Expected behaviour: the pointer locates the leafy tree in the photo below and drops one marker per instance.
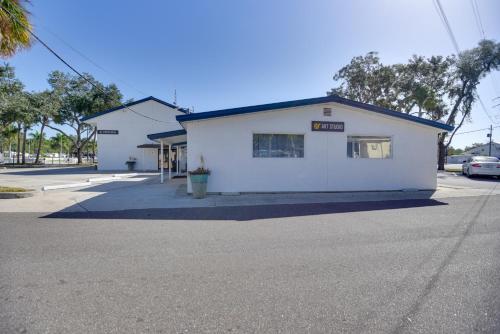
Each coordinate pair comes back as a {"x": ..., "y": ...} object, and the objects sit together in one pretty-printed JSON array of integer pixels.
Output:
[
  {"x": 454, "y": 151},
  {"x": 439, "y": 88},
  {"x": 14, "y": 25},
  {"x": 78, "y": 98},
  {"x": 367, "y": 80},
  {"x": 60, "y": 143},
  {"x": 10, "y": 89},
  {"x": 44, "y": 108},
  {"x": 8, "y": 136},
  {"x": 39, "y": 138}
]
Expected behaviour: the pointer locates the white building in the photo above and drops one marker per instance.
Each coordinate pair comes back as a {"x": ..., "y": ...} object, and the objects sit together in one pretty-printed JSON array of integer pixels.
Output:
[
  {"x": 485, "y": 149},
  {"x": 122, "y": 133},
  {"x": 320, "y": 144}
]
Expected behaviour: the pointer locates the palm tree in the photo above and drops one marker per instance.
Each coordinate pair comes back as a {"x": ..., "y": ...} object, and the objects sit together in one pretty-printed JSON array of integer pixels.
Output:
[{"x": 14, "y": 27}]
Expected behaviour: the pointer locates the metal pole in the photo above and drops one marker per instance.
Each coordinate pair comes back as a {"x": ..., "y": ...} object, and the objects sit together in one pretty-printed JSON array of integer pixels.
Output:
[
  {"x": 161, "y": 161},
  {"x": 177, "y": 150},
  {"x": 169, "y": 162},
  {"x": 490, "y": 135}
]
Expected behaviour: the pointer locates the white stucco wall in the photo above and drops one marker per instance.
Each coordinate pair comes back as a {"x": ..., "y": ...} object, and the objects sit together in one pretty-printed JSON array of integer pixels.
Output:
[
  {"x": 226, "y": 145},
  {"x": 114, "y": 150}
]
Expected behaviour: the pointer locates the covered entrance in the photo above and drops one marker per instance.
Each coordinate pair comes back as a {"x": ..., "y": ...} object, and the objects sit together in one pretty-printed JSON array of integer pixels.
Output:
[
  {"x": 178, "y": 161},
  {"x": 172, "y": 153}
]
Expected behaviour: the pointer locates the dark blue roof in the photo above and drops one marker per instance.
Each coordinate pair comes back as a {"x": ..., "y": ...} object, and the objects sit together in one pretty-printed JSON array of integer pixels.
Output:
[
  {"x": 305, "y": 102},
  {"x": 122, "y": 106},
  {"x": 167, "y": 134}
]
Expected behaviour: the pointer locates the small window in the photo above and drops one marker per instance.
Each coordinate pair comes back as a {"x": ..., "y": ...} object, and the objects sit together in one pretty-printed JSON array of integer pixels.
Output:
[
  {"x": 327, "y": 112},
  {"x": 278, "y": 146},
  {"x": 369, "y": 147}
]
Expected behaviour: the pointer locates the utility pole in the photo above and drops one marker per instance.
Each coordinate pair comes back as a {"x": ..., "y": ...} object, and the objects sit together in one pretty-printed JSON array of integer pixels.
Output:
[{"x": 490, "y": 135}]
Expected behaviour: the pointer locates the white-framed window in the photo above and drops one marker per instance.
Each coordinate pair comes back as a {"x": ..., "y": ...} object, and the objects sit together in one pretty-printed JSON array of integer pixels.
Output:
[
  {"x": 369, "y": 147},
  {"x": 267, "y": 145}
]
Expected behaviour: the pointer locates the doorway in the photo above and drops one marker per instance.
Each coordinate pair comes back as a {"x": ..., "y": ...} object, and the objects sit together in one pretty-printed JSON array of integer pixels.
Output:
[{"x": 166, "y": 161}]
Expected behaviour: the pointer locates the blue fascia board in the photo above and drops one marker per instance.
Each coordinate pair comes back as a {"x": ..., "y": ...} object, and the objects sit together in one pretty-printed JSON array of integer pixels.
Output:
[
  {"x": 167, "y": 134},
  {"x": 123, "y": 106},
  {"x": 306, "y": 102}
]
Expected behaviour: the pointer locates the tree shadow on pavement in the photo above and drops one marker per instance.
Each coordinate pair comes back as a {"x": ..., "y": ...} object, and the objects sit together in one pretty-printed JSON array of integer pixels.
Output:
[{"x": 246, "y": 213}]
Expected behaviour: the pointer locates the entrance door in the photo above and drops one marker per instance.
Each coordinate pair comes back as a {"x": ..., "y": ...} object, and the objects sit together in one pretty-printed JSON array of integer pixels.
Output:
[{"x": 166, "y": 160}]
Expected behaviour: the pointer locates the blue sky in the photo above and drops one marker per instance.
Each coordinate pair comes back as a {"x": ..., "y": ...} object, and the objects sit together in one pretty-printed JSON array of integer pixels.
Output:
[{"x": 222, "y": 53}]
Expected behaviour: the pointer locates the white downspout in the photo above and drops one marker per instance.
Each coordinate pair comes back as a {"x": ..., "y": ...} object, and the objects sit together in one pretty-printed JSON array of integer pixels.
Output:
[{"x": 161, "y": 161}]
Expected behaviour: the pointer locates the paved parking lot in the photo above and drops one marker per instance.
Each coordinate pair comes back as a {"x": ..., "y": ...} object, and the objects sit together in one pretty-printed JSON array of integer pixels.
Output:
[
  {"x": 417, "y": 266},
  {"x": 305, "y": 263}
]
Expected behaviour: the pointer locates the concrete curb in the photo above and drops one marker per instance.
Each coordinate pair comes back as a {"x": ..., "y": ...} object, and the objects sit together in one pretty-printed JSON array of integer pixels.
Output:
[
  {"x": 64, "y": 186},
  {"x": 103, "y": 179},
  {"x": 126, "y": 175},
  {"x": 11, "y": 195}
]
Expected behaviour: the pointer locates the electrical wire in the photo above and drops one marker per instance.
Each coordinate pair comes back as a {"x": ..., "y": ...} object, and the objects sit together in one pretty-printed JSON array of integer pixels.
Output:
[
  {"x": 86, "y": 79},
  {"x": 81, "y": 54},
  {"x": 462, "y": 133},
  {"x": 444, "y": 19},
  {"x": 480, "y": 28}
]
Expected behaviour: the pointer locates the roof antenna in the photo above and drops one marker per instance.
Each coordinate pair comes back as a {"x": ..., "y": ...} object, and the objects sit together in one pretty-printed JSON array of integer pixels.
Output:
[{"x": 175, "y": 97}]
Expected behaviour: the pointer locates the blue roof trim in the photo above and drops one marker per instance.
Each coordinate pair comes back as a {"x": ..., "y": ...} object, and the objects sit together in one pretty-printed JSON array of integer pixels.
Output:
[
  {"x": 167, "y": 134},
  {"x": 122, "y": 106},
  {"x": 306, "y": 102}
]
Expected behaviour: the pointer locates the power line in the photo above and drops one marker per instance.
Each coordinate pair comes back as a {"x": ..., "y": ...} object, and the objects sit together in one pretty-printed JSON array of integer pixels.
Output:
[
  {"x": 86, "y": 79},
  {"x": 465, "y": 132},
  {"x": 477, "y": 17},
  {"x": 81, "y": 54},
  {"x": 447, "y": 26},
  {"x": 480, "y": 27}
]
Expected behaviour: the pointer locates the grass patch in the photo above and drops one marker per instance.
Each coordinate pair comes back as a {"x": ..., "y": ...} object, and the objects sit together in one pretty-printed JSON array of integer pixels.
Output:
[{"x": 12, "y": 189}]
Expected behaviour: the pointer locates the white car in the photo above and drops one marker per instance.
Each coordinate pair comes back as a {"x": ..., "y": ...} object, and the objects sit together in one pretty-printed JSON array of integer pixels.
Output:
[{"x": 480, "y": 165}]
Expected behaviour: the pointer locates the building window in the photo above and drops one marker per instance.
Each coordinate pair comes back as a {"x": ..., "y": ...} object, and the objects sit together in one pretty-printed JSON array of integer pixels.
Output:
[
  {"x": 278, "y": 146},
  {"x": 369, "y": 147},
  {"x": 327, "y": 112}
]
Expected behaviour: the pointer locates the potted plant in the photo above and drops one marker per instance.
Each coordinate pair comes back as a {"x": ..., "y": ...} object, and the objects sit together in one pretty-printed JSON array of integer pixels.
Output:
[
  {"x": 131, "y": 163},
  {"x": 199, "y": 178}
]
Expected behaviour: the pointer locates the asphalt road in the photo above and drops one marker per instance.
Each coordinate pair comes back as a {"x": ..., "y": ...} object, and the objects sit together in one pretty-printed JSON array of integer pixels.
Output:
[
  {"x": 418, "y": 266},
  {"x": 458, "y": 180}
]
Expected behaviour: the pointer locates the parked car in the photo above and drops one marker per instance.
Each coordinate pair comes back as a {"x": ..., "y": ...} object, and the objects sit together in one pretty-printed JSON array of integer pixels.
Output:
[{"x": 480, "y": 165}]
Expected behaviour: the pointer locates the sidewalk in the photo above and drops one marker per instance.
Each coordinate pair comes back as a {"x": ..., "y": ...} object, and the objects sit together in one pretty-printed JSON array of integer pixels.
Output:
[{"x": 148, "y": 193}]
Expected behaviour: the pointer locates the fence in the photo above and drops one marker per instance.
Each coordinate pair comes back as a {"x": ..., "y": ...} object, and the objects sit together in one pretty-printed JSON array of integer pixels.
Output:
[{"x": 51, "y": 160}]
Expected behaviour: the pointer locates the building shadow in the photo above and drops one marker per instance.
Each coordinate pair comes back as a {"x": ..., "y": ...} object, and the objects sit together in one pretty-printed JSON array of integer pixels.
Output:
[{"x": 247, "y": 213}]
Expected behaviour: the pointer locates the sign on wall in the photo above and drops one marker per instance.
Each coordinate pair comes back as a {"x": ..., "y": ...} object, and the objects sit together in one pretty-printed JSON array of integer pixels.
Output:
[
  {"x": 327, "y": 126},
  {"x": 107, "y": 132}
]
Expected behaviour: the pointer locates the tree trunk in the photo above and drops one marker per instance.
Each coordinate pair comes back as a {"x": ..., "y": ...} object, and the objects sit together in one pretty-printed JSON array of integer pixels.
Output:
[
  {"x": 441, "y": 153},
  {"x": 18, "y": 143},
  {"x": 40, "y": 142},
  {"x": 79, "y": 145},
  {"x": 25, "y": 131},
  {"x": 79, "y": 155}
]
